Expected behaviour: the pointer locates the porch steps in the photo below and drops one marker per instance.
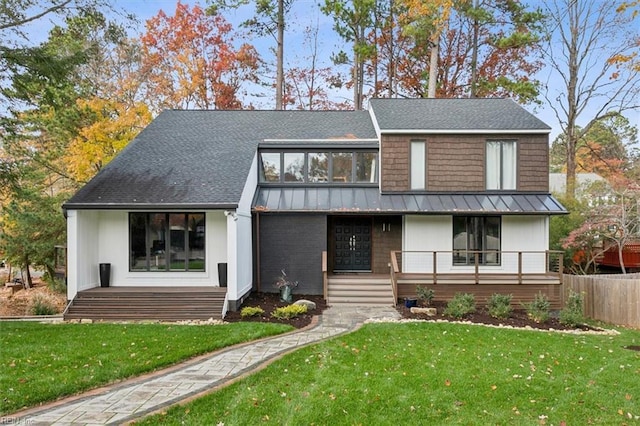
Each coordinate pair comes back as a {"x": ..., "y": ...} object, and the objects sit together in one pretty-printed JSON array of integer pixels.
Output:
[
  {"x": 360, "y": 290},
  {"x": 157, "y": 303}
]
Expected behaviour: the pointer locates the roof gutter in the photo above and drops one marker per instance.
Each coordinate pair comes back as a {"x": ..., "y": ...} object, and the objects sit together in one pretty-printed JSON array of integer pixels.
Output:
[{"x": 148, "y": 206}]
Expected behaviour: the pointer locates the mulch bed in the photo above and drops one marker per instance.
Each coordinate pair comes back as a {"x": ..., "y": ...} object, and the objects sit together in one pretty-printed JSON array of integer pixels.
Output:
[
  {"x": 271, "y": 301},
  {"x": 518, "y": 318}
]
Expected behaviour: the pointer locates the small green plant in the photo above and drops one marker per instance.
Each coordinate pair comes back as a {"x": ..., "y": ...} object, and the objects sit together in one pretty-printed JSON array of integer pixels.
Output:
[
  {"x": 251, "y": 311},
  {"x": 461, "y": 305},
  {"x": 499, "y": 305},
  {"x": 288, "y": 312},
  {"x": 42, "y": 304},
  {"x": 425, "y": 295},
  {"x": 538, "y": 310},
  {"x": 572, "y": 314}
]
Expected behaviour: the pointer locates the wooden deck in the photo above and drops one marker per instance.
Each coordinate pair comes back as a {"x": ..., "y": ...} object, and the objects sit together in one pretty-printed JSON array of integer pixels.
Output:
[
  {"x": 148, "y": 303},
  {"x": 522, "y": 286}
]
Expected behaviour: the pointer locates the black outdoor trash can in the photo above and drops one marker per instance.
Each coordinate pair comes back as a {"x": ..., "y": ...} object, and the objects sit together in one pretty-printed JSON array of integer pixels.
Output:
[
  {"x": 222, "y": 274},
  {"x": 105, "y": 274}
]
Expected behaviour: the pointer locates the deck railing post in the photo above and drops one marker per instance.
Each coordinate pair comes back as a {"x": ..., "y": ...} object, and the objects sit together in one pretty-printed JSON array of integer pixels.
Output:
[
  {"x": 519, "y": 267},
  {"x": 435, "y": 260},
  {"x": 394, "y": 279},
  {"x": 477, "y": 263},
  {"x": 560, "y": 265},
  {"x": 325, "y": 278}
]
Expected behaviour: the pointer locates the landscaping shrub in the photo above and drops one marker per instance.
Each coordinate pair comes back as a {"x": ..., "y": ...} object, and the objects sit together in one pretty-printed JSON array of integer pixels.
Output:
[
  {"x": 288, "y": 312},
  {"x": 499, "y": 305},
  {"x": 425, "y": 295},
  {"x": 43, "y": 304},
  {"x": 251, "y": 311},
  {"x": 538, "y": 310},
  {"x": 572, "y": 313},
  {"x": 461, "y": 305}
]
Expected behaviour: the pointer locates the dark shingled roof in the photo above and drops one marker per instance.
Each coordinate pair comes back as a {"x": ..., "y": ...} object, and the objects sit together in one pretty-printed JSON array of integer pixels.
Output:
[
  {"x": 201, "y": 159},
  {"x": 454, "y": 115},
  {"x": 371, "y": 201}
]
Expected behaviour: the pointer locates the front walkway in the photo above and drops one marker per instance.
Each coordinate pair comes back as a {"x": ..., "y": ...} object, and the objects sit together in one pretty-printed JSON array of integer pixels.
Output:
[{"x": 138, "y": 397}]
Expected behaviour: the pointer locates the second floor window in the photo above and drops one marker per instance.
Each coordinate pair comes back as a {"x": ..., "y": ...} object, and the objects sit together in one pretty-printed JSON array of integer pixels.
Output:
[
  {"x": 317, "y": 167},
  {"x": 500, "y": 165},
  {"x": 418, "y": 165}
]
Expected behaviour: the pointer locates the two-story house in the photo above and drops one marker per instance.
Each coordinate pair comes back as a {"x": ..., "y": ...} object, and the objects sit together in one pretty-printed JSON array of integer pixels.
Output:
[{"x": 357, "y": 205}]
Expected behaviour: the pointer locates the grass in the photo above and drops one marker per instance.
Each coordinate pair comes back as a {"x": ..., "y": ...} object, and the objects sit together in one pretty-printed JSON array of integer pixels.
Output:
[
  {"x": 42, "y": 362},
  {"x": 435, "y": 373}
]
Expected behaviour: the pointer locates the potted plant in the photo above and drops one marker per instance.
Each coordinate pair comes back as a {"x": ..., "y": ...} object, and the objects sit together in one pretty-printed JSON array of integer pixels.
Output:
[{"x": 285, "y": 285}]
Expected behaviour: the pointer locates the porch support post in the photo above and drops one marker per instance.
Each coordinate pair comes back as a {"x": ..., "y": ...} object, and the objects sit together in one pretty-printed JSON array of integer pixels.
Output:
[{"x": 519, "y": 267}]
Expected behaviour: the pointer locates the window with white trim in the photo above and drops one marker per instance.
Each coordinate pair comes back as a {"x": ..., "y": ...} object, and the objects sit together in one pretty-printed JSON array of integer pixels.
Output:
[
  {"x": 418, "y": 167},
  {"x": 500, "y": 165}
]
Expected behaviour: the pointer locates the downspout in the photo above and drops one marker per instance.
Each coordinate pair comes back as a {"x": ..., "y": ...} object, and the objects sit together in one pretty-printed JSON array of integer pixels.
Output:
[{"x": 258, "y": 283}]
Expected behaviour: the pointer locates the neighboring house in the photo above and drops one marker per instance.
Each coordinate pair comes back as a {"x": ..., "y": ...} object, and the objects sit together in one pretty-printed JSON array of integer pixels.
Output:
[
  {"x": 558, "y": 182},
  {"x": 457, "y": 184}
]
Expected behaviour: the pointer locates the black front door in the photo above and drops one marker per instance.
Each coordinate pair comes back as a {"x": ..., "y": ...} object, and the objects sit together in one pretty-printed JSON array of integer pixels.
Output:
[{"x": 352, "y": 244}]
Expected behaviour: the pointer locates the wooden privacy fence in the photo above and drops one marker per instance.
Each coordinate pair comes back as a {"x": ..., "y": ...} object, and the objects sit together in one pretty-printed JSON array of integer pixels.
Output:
[{"x": 611, "y": 298}]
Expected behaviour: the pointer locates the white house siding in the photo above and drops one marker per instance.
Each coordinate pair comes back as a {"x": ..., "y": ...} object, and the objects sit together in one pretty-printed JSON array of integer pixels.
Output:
[
  {"x": 525, "y": 233},
  {"x": 96, "y": 237},
  {"x": 82, "y": 251},
  {"x": 425, "y": 234},
  {"x": 241, "y": 241}
]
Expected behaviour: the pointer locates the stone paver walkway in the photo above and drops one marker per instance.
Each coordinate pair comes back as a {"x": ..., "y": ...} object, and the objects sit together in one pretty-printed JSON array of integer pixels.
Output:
[{"x": 138, "y": 397}]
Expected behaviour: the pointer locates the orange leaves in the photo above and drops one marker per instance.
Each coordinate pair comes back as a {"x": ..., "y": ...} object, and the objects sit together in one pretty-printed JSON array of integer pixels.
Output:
[{"x": 190, "y": 61}]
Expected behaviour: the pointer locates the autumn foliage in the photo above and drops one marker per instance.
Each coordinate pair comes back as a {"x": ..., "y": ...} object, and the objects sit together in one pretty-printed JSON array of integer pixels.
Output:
[{"x": 189, "y": 61}]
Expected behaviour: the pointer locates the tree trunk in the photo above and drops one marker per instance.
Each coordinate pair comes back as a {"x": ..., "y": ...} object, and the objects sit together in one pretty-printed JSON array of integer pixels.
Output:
[
  {"x": 433, "y": 68},
  {"x": 280, "y": 57},
  {"x": 572, "y": 113},
  {"x": 621, "y": 258},
  {"x": 28, "y": 283},
  {"x": 473, "y": 90}
]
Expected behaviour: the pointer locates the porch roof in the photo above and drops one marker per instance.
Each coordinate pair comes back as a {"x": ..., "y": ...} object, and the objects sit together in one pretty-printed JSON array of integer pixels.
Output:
[{"x": 369, "y": 200}]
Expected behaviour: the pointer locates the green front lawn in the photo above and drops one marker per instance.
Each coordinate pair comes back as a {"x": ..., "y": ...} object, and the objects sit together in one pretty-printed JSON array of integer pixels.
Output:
[
  {"x": 42, "y": 362},
  {"x": 435, "y": 373}
]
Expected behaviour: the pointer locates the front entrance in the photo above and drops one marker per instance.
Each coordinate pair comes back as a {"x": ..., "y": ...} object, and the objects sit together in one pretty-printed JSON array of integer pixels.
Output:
[{"x": 351, "y": 244}]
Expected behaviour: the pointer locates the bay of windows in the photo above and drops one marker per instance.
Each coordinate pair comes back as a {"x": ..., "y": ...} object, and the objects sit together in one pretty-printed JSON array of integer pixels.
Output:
[
  {"x": 476, "y": 235},
  {"x": 319, "y": 167},
  {"x": 167, "y": 242}
]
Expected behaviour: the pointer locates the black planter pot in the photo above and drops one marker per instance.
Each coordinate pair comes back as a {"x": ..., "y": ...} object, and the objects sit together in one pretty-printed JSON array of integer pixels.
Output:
[
  {"x": 105, "y": 274},
  {"x": 222, "y": 274}
]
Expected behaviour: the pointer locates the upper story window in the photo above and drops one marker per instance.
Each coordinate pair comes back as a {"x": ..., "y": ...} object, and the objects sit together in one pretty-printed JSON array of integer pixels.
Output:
[
  {"x": 418, "y": 166},
  {"x": 500, "y": 165},
  {"x": 319, "y": 167}
]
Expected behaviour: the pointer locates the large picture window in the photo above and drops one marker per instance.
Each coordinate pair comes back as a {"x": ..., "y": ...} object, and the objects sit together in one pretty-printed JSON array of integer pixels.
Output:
[
  {"x": 500, "y": 165},
  {"x": 479, "y": 234},
  {"x": 167, "y": 242},
  {"x": 332, "y": 166}
]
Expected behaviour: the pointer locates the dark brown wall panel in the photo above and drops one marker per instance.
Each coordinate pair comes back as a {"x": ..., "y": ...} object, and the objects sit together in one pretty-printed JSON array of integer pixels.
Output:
[{"x": 457, "y": 162}]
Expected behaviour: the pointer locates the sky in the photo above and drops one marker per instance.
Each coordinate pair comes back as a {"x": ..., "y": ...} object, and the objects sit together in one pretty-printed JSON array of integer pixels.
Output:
[{"x": 304, "y": 13}]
